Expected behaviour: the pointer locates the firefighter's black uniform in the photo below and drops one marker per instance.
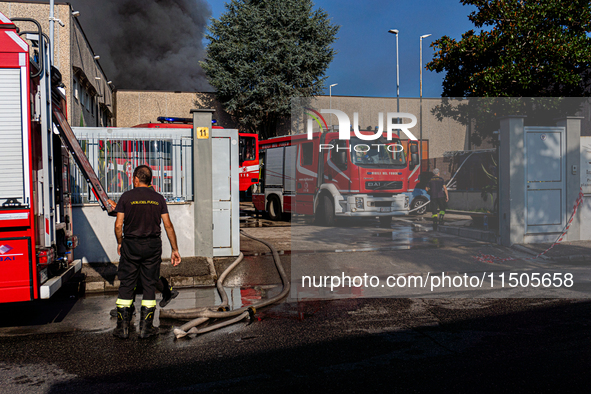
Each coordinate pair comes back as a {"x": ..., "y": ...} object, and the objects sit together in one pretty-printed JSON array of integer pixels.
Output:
[
  {"x": 141, "y": 249},
  {"x": 438, "y": 197}
]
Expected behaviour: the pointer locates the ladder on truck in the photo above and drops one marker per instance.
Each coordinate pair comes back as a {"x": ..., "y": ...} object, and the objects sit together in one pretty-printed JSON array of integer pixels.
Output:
[
  {"x": 71, "y": 143},
  {"x": 52, "y": 116}
]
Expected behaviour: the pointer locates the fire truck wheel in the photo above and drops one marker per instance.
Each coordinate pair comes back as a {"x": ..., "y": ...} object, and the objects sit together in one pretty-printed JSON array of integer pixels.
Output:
[
  {"x": 327, "y": 214},
  {"x": 274, "y": 208},
  {"x": 417, "y": 202},
  {"x": 385, "y": 221}
]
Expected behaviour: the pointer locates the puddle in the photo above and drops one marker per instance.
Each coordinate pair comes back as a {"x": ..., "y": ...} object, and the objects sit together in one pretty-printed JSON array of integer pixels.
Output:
[
  {"x": 410, "y": 238},
  {"x": 237, "y": 296}
]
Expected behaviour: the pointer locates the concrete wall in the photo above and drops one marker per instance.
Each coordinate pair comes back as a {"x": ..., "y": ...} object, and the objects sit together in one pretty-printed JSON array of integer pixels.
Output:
[
  {"x": 96, "y": 233},
  {"x": 511, "y": 181},
  {"x": 40, "y": 12},
  {"x": 444, "y": 136},
  {"x": 135, "y": 107},
  {"x": 469, "y": 201}
]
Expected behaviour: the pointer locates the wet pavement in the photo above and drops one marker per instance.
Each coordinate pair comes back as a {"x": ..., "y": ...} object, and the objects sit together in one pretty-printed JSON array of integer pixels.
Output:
[
  {"x": 353, "y": 248},
  {"x": 575, "y": 251},
  {"x": 350, "y": 340},
  {"x": 355, "y": 345}
]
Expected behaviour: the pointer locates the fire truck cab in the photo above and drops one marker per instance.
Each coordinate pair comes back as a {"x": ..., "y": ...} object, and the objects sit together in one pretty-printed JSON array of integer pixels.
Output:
[{"x": 328, "y": 178}]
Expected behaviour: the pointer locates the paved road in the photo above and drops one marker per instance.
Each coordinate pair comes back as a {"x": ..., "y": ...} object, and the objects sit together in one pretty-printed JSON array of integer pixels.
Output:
[
  {"x": 353, "y": 342},
  {"x": 356, "y": 345},
  {"x": 445, "y": 264}
]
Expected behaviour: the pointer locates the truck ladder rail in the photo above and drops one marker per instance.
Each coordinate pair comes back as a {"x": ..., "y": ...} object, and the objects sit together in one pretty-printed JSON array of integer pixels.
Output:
[{"x": 70, "y": 141}]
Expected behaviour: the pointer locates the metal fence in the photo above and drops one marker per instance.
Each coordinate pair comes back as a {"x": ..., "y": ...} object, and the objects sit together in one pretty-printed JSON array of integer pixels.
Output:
[{"x": 115, "y": 152}]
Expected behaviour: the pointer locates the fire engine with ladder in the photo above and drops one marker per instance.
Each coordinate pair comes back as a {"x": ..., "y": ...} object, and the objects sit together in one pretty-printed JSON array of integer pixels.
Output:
[{"x": 36, "y": 229}]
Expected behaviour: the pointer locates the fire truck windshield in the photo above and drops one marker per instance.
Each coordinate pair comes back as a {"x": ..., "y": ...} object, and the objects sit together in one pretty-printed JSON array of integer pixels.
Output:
[
  {"x": 247, "y": 149},
  {"x": 380, "y": 152}
]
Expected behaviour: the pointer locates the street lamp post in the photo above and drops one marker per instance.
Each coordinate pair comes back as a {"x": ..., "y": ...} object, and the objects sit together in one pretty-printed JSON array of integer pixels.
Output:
[
  {"x": 330, "y": 101},
  {"x": 395, "y": 32},
  {"x": 51, "y": 29},
  {"x": 421, "y": 105}
]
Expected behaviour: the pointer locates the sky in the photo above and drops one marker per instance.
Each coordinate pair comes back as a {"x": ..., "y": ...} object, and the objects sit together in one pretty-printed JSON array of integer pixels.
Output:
[{"x": 365, "y": 63}]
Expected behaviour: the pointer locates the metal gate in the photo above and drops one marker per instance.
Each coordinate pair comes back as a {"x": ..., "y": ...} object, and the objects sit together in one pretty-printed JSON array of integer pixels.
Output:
[{"x": 545, "y": 175}]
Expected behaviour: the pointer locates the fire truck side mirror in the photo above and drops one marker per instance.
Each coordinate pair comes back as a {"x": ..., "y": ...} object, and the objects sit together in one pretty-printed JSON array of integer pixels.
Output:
[
  {"x": 414, "y": 159},
  {"x": 414, "y": 148}
]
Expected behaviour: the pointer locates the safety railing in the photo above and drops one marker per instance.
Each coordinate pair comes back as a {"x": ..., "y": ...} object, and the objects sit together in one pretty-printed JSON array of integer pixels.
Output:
[{"x": 115, "y": 152}]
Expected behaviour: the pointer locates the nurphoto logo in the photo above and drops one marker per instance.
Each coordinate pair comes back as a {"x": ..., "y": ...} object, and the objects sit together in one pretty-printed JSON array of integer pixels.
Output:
[{"x": 344, "y": 124}]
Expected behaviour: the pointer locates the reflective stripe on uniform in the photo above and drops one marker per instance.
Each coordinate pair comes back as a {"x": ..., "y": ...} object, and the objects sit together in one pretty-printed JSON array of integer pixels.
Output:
[
  {"x": 149, "y": 303},
  {"x": 125, "y": 303}
]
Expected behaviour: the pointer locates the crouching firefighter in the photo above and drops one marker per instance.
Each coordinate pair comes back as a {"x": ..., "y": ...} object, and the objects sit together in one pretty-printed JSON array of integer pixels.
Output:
[
  {"x": 137, "y": 228},
  {"x": 439, "y": 198}
]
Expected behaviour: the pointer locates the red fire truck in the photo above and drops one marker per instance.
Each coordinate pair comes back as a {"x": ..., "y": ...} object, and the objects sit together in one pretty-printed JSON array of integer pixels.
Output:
[
  {"x": 329, "y": 178},
  {"x": 248, "y": 149},
  {"x": 36, "y": 233}
]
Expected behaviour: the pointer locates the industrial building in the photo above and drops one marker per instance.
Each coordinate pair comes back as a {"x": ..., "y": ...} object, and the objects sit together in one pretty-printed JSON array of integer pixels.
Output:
[{"x": 88, "y": 90}]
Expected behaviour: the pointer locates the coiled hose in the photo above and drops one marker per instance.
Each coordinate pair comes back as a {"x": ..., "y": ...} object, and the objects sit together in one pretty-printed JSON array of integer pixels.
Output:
[{"x": 201, "y": 315}]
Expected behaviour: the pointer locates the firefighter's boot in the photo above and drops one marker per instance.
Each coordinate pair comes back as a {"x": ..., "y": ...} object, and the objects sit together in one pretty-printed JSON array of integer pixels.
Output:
[
  {"x": 113, "y": 312},
  {"x": 147, "y": 328},
  {"x": 441, "y": 216},
  {"x": 168, "y": 293},
  {"x": 434, "y": 217},
  {"x": 123, "y": 322}
]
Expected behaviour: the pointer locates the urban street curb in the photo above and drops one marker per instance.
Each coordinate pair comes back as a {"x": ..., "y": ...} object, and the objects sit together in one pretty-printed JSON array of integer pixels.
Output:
[
  {"x": 559, "y": 259},
  {"x": 102, "y": 277}
]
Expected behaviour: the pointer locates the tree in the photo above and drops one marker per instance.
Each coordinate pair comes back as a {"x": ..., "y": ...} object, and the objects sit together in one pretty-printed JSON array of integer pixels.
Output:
[
  {"x": 483, "y": 113},
  {"x": 537, "y": 48},
  {"x": 264, "y": 52},
  {"x": 531, "y": 49}
]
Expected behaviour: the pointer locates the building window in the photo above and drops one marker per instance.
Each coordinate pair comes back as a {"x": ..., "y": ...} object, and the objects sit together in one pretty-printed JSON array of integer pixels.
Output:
[{"x": 75, "y": 89}]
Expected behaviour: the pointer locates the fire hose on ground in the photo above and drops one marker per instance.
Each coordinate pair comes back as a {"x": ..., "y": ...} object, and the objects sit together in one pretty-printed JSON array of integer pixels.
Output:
[{"x": 202, "y": 315}]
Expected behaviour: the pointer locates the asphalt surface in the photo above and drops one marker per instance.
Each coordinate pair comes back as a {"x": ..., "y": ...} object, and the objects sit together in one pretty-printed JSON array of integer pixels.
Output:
[
  {"x": 359, "y": 345},
  {"x": 322, "y": 341}
]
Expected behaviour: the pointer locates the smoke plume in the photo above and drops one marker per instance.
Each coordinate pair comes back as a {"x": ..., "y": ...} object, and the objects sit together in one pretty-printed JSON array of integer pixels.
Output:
[{"x": 148, "y": 44}]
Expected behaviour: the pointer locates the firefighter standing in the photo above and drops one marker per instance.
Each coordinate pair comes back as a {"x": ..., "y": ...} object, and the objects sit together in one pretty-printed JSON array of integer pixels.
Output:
[
  {"x": 439, "y": 198},
  {"x": 137, "y": 228}
]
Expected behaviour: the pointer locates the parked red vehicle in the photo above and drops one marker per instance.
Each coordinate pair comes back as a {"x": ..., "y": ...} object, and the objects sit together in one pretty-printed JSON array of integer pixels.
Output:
[
  {"x": 248, "y": 149},
  {"x": 330, "y": 178}
]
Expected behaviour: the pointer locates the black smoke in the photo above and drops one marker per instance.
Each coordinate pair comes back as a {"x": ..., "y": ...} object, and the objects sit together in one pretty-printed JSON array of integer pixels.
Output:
[{"x": 148, "y": 44}]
